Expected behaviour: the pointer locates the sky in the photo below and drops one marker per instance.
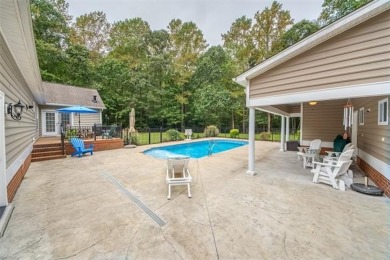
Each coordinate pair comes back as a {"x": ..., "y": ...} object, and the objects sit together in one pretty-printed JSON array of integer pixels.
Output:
[{"x": 213, "y": 17}]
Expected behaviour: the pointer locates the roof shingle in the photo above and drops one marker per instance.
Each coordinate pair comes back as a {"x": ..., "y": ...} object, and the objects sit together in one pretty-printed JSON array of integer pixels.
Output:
[{"x": 65, "y": 95}]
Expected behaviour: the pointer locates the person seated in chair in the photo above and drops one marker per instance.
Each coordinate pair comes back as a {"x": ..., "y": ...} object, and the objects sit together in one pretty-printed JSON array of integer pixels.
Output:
[{"x": 340, "y": 141}]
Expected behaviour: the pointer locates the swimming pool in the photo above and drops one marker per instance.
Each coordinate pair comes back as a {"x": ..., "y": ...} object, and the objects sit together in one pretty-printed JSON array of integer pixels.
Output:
[{"x": 194, "y": 149}]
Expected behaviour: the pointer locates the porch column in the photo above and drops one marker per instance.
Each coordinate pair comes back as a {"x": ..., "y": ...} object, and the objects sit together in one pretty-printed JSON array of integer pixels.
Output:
[
  {"x": 287, "y": 128},
  {"x": 251, "y": 145},
  {"x": 282, "y": 133}
]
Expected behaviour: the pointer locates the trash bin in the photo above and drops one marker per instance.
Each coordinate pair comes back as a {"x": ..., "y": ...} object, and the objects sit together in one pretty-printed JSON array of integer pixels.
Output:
[{"x": 292, "y": 145}]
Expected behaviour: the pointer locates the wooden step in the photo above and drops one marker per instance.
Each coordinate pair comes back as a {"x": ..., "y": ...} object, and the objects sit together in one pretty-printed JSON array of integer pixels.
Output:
[
  {"x": 46, "y": 149},
  {"x": 47, "y": 145},
  {"x": 45, "y": 158},
  {"x": 36, "y": 154},
  {"x": 43, "y": 152}
]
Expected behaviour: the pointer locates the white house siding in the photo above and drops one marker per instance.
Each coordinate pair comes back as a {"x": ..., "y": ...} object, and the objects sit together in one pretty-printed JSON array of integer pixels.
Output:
[
  {"x": 373, "y": 139},
  {"x": 18, "y": 134},
  {"x": 360, "y": 55}
]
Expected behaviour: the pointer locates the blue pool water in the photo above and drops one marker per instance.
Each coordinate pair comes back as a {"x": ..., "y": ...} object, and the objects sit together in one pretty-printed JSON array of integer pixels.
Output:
[{"x": 194, "y": 149}]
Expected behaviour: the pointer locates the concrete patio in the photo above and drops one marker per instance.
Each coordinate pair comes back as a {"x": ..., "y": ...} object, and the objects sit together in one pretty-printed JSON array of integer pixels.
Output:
[{"x": 69, "y": 209}]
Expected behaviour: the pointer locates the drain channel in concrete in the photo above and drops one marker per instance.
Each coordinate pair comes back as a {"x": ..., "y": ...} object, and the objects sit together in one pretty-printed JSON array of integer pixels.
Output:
[{"x": 132, "y": 197}]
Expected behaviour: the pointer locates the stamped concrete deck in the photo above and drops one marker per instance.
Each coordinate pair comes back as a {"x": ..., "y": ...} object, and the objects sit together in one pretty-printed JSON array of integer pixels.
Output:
[{"x": 69, "y": 209}]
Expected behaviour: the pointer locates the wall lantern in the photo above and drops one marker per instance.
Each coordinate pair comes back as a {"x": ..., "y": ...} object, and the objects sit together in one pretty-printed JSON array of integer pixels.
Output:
[
  {"x": 94, "y": 100},
  {"x": 16, "y": 110}
]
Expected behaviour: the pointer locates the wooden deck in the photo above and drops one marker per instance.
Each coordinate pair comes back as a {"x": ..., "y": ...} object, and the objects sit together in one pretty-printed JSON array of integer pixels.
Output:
[{"x": 57, "y": 139}]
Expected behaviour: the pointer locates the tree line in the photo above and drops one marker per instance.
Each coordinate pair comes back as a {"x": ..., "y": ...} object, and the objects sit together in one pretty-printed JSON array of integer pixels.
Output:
[{"x": 171, "y": 76}]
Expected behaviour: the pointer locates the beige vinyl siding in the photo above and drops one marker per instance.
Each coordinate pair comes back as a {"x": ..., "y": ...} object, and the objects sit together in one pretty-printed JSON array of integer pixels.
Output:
[
  {"x": 289, "y": 108},
  {"x": 18, "y": 134},
  {"x": 294, "y": 109},
  {"x": 323, "y": 121},
  {"x": 86, "y": 119},
  {"x": 358, "y": 56},
  {"x": 370, "y": 134}
]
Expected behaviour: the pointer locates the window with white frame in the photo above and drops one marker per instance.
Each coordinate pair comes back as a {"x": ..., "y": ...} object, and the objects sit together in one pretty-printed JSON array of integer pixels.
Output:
[
  {"x": 361, "y": 116},
  {"x": 383, "y": 112}
]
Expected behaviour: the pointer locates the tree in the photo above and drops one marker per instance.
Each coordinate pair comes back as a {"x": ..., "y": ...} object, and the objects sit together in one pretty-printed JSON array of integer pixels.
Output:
[
  {"x": 332, "y": 10},
  {"x": 128, "y": 41},
  {"x": 49, "y": 23},
  {"x": 268, "y": 29},
  {"x": 91, "y": 30},
  {"x": 213, "y": 88},
  {"x": 238, "y": 42},
  {"x": 187, "y": 44},
  {"x": 296, "y": 33},
  {"x": 113, "y": 82}
]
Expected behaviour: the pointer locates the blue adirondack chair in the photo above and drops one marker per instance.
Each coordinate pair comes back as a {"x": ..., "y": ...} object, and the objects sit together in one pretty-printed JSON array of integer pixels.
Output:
[{"x": 78, "y": 145}]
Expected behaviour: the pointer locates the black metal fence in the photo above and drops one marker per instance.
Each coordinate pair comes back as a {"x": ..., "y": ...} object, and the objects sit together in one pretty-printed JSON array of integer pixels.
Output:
[
  {"x": 145, "y": 136},
  {"x": 97, "y": 131}
]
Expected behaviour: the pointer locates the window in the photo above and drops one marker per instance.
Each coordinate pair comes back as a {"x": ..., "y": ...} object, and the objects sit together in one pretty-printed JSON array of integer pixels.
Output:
[
  {"x": 361, "y": 116},
  {"x": 383, "y": 112}
]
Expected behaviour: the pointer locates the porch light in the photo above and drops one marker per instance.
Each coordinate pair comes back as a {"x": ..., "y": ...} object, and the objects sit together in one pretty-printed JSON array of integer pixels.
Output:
[
  {"x": 15, "y": 110},
  {"x": 313, "y": 103},
  {"x": 94, "y": 100}
]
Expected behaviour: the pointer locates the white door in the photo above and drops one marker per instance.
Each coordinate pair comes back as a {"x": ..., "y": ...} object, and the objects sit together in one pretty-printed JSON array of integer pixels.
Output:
[
  {"x": 355, "y": 131},
  {"x": 50, "y": 123}
]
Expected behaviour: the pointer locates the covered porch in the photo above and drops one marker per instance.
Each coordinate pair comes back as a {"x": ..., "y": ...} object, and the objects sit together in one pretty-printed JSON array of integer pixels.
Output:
[{"x": 345, "y": 61}]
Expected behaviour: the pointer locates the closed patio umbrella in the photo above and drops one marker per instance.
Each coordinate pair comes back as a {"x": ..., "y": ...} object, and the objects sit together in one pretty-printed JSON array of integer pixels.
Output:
[{"x": 132, "y": 121}]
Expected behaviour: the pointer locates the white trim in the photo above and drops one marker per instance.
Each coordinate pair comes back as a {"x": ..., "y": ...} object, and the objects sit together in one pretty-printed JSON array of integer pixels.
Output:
[
  {"x": 295, "y": 114},
  {"x": 15, "y": 166},
  {"x": 362, "y": 14},
  {"x": 382, "y": 101},
  {"x": 56, "y": 122},
  {"x": 361, "y": 116},
  {"x": 323, "y": 144},
  {"x": 378, "y": 165},
  {"x": 3, "y": 156},
  {"x": 68, "y": 105},
  {"x": 355, "y": 91},
  {"x": 273, "y": 110}
]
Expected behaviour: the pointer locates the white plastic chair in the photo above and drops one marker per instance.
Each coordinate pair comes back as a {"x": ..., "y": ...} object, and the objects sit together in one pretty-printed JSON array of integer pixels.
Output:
[
  {"x": 178, "y": 174},
  {"x": 333, "y": 172},
  {"x": 335, "y": 155},
  {"x": 310, "y": 154}
]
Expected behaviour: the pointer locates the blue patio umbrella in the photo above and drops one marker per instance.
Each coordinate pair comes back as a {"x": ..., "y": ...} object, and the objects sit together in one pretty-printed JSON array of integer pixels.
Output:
[{"x": 77, "y": 109}]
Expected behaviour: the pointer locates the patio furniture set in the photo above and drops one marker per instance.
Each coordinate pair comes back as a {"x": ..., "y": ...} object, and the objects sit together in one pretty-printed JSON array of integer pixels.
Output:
[{"x": 334, "y": 168}]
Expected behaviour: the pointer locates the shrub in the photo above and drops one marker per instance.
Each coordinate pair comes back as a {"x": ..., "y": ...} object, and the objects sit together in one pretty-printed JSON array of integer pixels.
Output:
[
  {"x": 265, "y": 136},
  {"x": 173, "y": 135},
  {"x": 234, "y": 133},
  {"x": 134, "y": 139},
  {"x": 70, "y": 133},
  {"x": 211, "y": 131}
]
